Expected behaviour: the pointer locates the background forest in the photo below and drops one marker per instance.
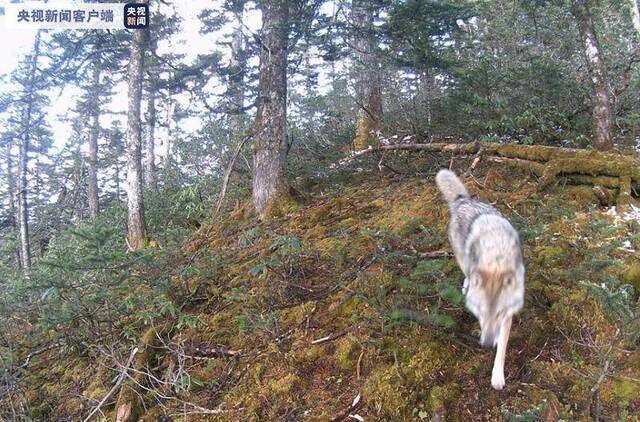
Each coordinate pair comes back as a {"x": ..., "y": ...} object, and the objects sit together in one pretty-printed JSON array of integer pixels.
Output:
[{"x": 248, "y": 229}]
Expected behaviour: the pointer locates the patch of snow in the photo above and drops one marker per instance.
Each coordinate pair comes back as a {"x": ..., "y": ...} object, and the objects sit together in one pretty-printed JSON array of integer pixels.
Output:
[
  {"x": 634, "y": 214},
  {"x": 627, "y": 246}
]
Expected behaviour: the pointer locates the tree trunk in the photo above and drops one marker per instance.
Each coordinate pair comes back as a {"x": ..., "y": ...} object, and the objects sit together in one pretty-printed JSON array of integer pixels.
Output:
[
  {"x": 150, "y": 163},
  {"x": 136, "y": 228},
  {"x": 236, "y": 79},
  {"x": 426, "y": 89},
  {"x": 601, "y": 97},
  {"x": 11, "y": 187},
  {"x": 23, "y": 205},
  {"x": 93, "y": 147},
  {"x": 117, "y": 180},
  {"x": 269, "y": 181},
  {"x": 165, "y": 141},
  {"x": 367, "y": 69},
  {"x": 635, "y": 15}
]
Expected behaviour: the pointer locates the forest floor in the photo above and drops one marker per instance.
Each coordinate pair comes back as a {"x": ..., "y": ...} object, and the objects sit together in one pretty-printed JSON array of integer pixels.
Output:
[{"x": 343, "y": 308}]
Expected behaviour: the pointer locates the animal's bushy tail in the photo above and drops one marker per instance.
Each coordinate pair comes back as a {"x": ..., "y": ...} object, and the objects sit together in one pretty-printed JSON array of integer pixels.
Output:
[{"x": 450, "y": 186}]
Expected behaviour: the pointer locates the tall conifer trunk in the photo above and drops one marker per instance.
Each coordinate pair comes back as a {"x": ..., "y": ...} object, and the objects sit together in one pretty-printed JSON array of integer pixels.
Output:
[
  {"x": 11, "y": 187},
  {"x": 367, "y": 74},
  {"x": 270, "y": 152},
  {"x": 23, "y": 205},
  {"x": 92, "y": 185},
  {"x": 136, "y": 227},
  {"x": 601, "y": 91},
  {"x": 150, "y": 144},
  {"x": 236, "y": 78}
]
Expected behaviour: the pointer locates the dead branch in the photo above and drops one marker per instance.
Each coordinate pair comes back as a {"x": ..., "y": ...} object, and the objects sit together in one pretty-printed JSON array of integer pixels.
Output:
[
  {"x": 434, "y": 254},
  {"x": 581, "y": 166},
  {"x": 37, "y": 352},
  {"x": 355, "y": 404},
  {"x": 229, "y": 169},
  {"x": 330, "y": 337},
  {"x": 358, "y": 365},
  {"x": 115, "y": 387},
  {"x": 215, "y": 351}
]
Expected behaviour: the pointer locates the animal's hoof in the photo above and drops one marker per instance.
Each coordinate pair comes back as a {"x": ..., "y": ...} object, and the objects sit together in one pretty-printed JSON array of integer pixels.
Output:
[{"x": 497, "y": 381}]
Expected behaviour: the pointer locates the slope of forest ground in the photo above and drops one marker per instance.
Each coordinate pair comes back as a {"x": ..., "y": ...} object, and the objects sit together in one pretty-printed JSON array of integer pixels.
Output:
[{"x": 343, "y": 307}]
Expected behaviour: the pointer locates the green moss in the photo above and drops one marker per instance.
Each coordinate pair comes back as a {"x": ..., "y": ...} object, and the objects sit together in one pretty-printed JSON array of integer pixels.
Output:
[
  {"x": 303, "y": 354},
  {"x": 550, "y": 254},
  {"x": 440, "y": 397},
  {"x": 622, "y": 390},
  {"x": 389, "y": 397},
  {"x": 285, "y": 385},
  {"x": 632, "y": 276},
  {"x": 346, "y": 353},
  {"x": 424, "y": 366}
]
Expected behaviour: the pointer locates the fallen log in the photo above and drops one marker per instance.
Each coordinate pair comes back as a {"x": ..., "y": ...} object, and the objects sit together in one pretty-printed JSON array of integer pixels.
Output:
[{"x": 582, "y": 166}]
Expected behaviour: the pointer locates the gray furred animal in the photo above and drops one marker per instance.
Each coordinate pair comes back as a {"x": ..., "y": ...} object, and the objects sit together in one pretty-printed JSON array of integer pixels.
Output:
[{"x": 489, "y": 252}]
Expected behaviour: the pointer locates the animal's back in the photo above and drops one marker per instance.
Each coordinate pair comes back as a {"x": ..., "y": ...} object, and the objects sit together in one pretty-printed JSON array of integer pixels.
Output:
[{"x": 464, "y": 212}]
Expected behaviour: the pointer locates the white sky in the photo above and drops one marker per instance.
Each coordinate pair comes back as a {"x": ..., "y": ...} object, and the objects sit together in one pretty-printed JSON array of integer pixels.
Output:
[{"x": 18, "y": 42}]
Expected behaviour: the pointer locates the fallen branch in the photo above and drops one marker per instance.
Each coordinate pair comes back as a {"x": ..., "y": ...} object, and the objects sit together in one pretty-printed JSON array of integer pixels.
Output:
[
  {"x": 229, "y": 169},
  {"x": 37, "y": 352},
  {"x": 581, "y": 166},
  {"x": 216, "y": 351},
  {"x": 330, "y": 337},
  {"x": 434, "y": 254},
  {"x": 358, "y": 365},
  {"x": 115, "y": 387},
  {"x": 355, "y": 404}
]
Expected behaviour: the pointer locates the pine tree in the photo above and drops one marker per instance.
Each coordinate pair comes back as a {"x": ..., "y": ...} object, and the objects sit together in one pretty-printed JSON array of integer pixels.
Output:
[
  {"x": 136, "y": 225},
  {"x": 601, "y": 97},
  {"x": 367, "y": 73},
  {"x": 270, "y": 152}
]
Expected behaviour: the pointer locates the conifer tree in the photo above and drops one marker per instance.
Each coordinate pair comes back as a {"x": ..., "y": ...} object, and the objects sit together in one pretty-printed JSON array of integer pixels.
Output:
[
  {"x": 602, "y": 105},
  {"x": 269, "y": 158},
  {"x": 136, "y": 225},
  {"x": 366, "y": 73}
]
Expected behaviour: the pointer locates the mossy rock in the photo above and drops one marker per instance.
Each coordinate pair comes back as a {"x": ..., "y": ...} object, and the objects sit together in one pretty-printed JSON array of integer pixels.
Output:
[
  {"x": 285, "y": 385},
  {"x": 304, "y": 354},
  {"x": 576, "y": 309}
]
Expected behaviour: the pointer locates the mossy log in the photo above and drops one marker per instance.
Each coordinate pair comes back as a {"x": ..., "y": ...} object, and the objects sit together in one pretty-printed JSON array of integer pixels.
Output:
[
  {"x": 129, "y": 406},
  {"x": 581, "y": 166}
]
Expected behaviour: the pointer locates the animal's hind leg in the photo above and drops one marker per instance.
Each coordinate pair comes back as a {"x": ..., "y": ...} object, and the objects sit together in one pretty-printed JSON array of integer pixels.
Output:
[{"x": 497, "y": 374}]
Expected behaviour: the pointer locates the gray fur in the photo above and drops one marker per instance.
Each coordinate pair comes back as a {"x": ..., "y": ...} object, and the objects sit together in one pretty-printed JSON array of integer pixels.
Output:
[{"x": 484, "y": 242}]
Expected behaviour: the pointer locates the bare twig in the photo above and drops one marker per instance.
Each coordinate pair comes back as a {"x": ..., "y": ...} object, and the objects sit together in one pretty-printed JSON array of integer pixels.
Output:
[
  {"x": 213, "y": 351},
  {"x": 229, "y": 169},
  {"x": 358, "y": 371},
  {"x": 37, "y": 352},
  {"x": 115, "y": 387},
  {"x": 330, "y": 337},
  {"x": 355, "y": 404}
]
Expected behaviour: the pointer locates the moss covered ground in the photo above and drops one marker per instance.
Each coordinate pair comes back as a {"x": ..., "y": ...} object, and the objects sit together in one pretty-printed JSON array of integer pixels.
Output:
[{"x": 337, "y": 298}]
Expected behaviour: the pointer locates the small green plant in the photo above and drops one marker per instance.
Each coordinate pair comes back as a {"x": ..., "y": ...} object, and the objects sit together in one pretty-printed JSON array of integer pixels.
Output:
[{"x": 284, "y": 254}]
